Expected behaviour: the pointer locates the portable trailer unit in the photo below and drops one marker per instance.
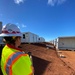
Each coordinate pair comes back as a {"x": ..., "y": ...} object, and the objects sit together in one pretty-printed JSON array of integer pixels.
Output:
[
  {"x": 41, "y": 39},
  {"x": 1, "y": 41},
  {"x": 52, "y": 41},
  {"x": 55, "y": 42},
  {"x": 1, "y": 38},
  {"x": 0, "y": 27},
  {"x": 66, "y": 43},
  {"x": 23, "y": 38},
  {"x": 29, "y": 37},
  {"x": 35, "y": 38}
]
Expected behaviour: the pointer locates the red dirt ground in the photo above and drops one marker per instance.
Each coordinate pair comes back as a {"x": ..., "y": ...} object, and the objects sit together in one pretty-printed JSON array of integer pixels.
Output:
[
  {"x": 46, "y": 61},
  {"x": 70, "y": 58}
]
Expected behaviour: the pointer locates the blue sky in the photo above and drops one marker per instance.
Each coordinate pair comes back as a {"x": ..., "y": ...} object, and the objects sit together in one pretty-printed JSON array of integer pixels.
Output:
[{"x": 46, "y": 18}]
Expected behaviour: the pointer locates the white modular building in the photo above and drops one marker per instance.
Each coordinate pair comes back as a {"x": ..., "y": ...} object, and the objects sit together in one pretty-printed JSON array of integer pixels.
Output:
[
  {"x": 55, "y": 42},
  {"x": 0, "y": 27},
  {"x": 29, "y": 37},
  {"x": 1, "y": 41},
  {"x": 41, "y": 39},
  {"x": 66, "y": 43},
  {"x": 1, "y": 38},
  {"x": 23, "y": 39},
  {"x": 35, "y": 38},
  {"x": 52, "y": 41}
]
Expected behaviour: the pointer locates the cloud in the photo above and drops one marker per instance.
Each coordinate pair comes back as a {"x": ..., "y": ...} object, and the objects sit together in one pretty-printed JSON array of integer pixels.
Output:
[
  {"x": 19, "y": 1},
  {"x": 21, "y": 25},
  {"x": 24, "y": 26},
  {"x": 17, "y": 23},
  {"x": 61, "y": 1},
  {"x": 53, "y": 2}
]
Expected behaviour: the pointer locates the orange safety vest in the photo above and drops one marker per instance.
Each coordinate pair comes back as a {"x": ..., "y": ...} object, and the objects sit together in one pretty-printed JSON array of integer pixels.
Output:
[{"x": 15, "y": 62}]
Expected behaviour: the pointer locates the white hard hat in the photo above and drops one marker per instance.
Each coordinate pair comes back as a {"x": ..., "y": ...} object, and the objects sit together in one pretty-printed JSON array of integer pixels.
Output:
[{"x": 10, "y": 30}]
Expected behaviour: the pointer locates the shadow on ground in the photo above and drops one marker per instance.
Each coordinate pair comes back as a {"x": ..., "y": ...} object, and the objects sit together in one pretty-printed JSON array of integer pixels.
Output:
[{"x": 40, "y": 65}]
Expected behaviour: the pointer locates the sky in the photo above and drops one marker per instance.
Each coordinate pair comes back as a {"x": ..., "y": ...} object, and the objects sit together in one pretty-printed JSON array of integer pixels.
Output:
[{"x": 49, "y": 19}]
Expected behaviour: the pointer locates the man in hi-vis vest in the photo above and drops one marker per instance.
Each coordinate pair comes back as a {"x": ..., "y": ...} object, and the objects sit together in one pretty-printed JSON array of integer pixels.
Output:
[{"x": 13, "y": 60}]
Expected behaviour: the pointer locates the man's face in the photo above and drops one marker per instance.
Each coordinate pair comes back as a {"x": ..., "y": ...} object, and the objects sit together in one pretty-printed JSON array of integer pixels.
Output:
[{"x": 18, "y": 41}]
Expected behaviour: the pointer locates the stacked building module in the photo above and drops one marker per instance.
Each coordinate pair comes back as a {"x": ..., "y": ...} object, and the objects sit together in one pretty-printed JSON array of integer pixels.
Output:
[
  {"x": 29, "y": 37},
  {"x": 65, "y": 43},
  {"x": 1, "y": 38}
]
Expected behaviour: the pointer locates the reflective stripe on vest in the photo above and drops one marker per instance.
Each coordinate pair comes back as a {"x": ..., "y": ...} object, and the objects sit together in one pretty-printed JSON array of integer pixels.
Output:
[{"x": 11, "y": 60}]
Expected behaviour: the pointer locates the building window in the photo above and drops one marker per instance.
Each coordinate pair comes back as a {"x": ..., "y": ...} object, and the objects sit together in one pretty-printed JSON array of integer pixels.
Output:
[
  {"x": 26, "y": 33},
  {"x": 23, "y": 36},
  {"x": 39, "y": 38},
  {"x": 62, "y": 43}
]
